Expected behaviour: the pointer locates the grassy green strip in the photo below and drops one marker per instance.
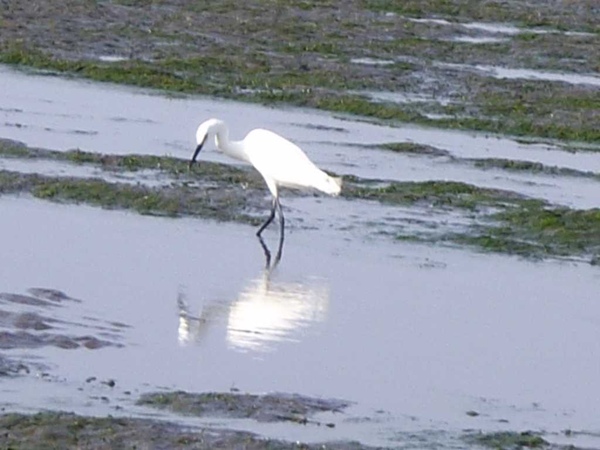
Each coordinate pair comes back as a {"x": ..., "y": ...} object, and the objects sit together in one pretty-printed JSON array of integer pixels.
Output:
[
  {"x": 490, "y": 11},
  {"x": 504, "y": 221},
  {"x": 508, "y": 440},
  {"x": 447, "y": 194},
  {"x": 413, "y": 148},
  {"x": 177, "y": 168},
  {"x": 538, "y": 231},
  {"x": 252, "y": 79},
  {"x": 530, "y": 167},
  {"x": 173, "y": 201}
]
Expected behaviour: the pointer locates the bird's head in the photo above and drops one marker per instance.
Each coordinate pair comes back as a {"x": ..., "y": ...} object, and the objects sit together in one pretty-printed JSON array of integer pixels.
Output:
[{"x": 205, "y": 129}]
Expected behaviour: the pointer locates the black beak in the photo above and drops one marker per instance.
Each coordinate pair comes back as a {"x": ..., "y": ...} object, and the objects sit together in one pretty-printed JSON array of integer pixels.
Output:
[{"x": 196, "y": 152}]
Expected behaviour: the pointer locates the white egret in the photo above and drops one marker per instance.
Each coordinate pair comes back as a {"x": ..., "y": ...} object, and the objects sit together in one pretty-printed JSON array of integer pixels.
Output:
[{"x": 279, "y": 161}]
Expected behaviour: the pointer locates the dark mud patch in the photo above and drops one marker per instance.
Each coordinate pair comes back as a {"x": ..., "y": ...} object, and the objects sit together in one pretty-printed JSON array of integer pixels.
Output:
[
  {"x": 509, "y": 165},
  {"x": 32, "y": 321},
  {"x": 262, "y": 408},
  {"x": 512, "y": 165},
  {"x": 9, "y": 367},
  {"x": 26, "y": 340},
  {"x": 53, "y": 295},
  {"x": 411, "y": 148},
  {"x": 66, "y": 430},
  {"x": 41, "y": 297},
  {"x": 21, "y": 299},
  {"x": 319, "y": 55},
  {"x": 25, "y": 321}
]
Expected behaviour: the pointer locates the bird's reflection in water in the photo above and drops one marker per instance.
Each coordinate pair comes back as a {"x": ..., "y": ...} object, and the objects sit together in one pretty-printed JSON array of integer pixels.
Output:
[
  {"x": 191, "y": 327},
  {"x": 268, "y": 311},
  {"x": 265, "y": 312}
]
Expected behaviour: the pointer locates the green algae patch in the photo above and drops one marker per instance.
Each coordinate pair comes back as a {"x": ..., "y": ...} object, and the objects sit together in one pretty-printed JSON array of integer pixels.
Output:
[
  {"x": 539, "y": 108},
  {"x": 509, "y": 440},
  {"x": 530, "y": 167},
  {"x": 411, "y": 148},
  {"x": 98, "y": 192},
  {"x": 447, "y": 194},
  {"x": 176, "y": 168},
  {"x": 68, "y": 430},
  {"x": 496, "y": 112},
  {"x": 262, "y": 408},
  {"x": 538, "y": 231},
  {"x": 210, "y": 190},
  {"x": 500, "y": 221},
  {"x": 136, "y": 73},
  {"x": 499, "y": 242},
  {"x": 171, "y": 201},
  {"x": 562, "y": 230}
]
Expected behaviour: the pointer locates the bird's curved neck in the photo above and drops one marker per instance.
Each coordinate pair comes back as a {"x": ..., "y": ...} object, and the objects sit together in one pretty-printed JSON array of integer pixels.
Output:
[{"x": 234, "y": 149}]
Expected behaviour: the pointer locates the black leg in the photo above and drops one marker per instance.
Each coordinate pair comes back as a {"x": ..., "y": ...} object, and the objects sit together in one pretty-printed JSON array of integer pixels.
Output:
[
  {"x": 276, "y": 207},
  {"x": 266, "y": 252},
  {"x": 270, "y": 219},
  {"x": 281, "y": 233}
]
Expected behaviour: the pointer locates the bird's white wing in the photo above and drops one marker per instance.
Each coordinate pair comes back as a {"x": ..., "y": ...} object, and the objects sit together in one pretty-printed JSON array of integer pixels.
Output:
[{"x": 281, "y": 160}]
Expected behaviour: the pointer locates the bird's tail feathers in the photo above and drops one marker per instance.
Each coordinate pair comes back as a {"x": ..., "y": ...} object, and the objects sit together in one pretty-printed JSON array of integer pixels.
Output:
[
  {"x": 331, "y": 185},
  {"x": 338, "y": 181}
]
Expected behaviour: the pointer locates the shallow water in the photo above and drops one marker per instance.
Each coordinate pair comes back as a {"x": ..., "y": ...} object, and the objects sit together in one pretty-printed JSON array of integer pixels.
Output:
[
  {"x": 526, "y": 74},
  {"x": 420, "y": 333},
  {"x": 372, "y": 61},
  {"x": 415, "y": 335},
  {"x": 498, "y": 28},
  {"x": 479, "y": 39},
  {"x": 146, "y": 177}
]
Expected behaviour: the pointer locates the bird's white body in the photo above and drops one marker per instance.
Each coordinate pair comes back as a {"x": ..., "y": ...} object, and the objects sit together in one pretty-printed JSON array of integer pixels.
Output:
[{"x": 279, "y": 161}]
